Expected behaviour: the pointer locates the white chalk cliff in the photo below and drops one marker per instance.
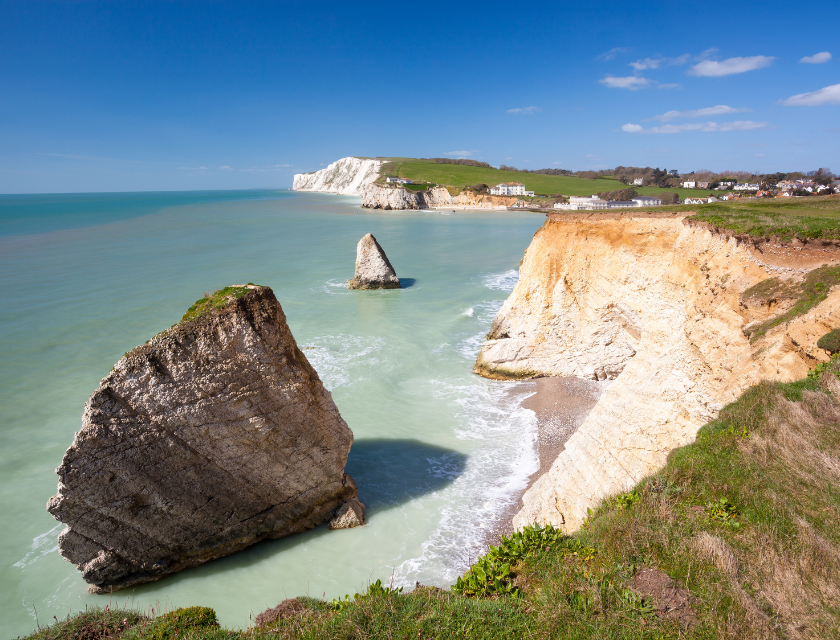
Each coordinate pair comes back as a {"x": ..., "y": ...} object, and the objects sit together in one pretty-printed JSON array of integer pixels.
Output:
[
  {"x": 348, "y": 176},
  {"x": 654, "y": 305}
]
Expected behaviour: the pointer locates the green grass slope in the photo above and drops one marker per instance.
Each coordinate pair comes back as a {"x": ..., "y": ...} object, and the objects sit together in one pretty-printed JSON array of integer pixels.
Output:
[
  {"x": 736, "y": 537},
  {"x": 786, "y": 218},
  {"x": 460, "y": 176}
]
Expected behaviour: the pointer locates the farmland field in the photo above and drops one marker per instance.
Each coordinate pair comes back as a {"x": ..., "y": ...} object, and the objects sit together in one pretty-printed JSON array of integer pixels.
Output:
[{"x": 457, "y": 175}]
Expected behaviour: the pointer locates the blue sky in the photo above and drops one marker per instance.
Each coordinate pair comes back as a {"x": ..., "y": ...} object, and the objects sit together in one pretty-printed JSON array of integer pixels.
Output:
[{"x": 124, "y": 96}]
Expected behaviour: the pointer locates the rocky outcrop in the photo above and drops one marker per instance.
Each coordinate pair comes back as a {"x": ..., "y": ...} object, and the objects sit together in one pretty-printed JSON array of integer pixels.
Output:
[
  {"x": 350, "y": 514},
  {"x": 214, "y": 435},
  {"x": 654, "y": 305},
  {"x": 379, "y": 196},
  {"x": 373, "y": 270},
  {"x": 348, "y": 176}
]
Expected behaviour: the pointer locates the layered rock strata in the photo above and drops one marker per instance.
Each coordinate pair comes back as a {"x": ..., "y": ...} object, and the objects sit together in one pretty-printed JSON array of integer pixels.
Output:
[
  {"x": 373, "y": 270},
  {"x": 348, "y": 176},
  {"x": 378, "y": 196},
  {"x": 215, "y": 434},
  {"x": 654, "y": 305}
]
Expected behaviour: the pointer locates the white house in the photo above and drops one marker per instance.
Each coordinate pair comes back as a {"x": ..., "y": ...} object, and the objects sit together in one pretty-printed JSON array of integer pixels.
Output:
[
  {"x": 746, "y": 186},
  {"x": 647, "y": 201},
  {"x": 689, "y": 185},
  {"x": 391, "y": 179},
  {"x": 696, "y": 200},
  {"x": 510, "y": 189},
  {"x": 723, "y": 186},
  {"x": 638, "y": 182},
  {"x": 582, "y": 203},
  {"x": 621, "y": 204}
]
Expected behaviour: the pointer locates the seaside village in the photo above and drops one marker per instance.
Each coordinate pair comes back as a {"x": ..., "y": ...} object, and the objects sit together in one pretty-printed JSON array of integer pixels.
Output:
[{"x": 735, "y": 191}]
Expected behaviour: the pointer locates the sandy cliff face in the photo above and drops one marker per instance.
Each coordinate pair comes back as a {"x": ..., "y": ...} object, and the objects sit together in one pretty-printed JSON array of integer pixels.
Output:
[
  {"x": 348, "y": 176},
  {"x": 377, "y": 196},
  {"x": 654, "y": 305}
]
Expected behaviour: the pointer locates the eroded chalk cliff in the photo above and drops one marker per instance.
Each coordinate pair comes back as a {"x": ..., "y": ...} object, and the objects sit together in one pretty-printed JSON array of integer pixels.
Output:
[
  {"x": 215, "y": 434},
  {"x": 654, "y": 305},
  {"x": 348, "y": 176},
  {"x": 379, "y": 196}
]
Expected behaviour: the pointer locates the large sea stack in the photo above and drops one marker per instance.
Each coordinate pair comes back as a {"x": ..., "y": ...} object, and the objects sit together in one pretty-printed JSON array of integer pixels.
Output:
[
  {"x": 214, "y": 435},
  {"x": 373, "y": 270}
]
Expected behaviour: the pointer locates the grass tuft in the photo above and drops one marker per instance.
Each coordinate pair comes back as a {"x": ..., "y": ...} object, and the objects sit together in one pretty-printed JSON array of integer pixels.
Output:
[{"x": 216, "y": 300}]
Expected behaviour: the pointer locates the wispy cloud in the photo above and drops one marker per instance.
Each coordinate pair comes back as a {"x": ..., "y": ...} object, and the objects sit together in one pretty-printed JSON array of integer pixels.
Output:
[
  {"x": 70, "y": 156},
  {"x": 719, "y": 110},
  {"x": 267, "y": 168},
  {"x": 612, "y": 53},
  {"x": 525, "y": 111},
  {"x": 817, "y": 58},
  {"x": 225, "y": 168},
  {"x": 738, "y": 125},
  {"x": 460, "y": 154},
  {"x": 730, "y": 66},
  {"x": 655, "y": 63},
  {"x": 626, "y": 82},
  {"x": 826, "y": 95}
]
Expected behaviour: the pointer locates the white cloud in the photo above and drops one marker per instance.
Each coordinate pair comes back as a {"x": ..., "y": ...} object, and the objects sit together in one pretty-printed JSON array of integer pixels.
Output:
[
  {"x": 714, "y": 68},
  {"x": 460, "y": 154},
  {"x": 268, "y": 167},
  {"x": 826, "y": 95},
  {"x": 612, "y": 53},
  {"x": 655, "y": 63},
  {"x": 225, "y": 168},
  {"x": 525, "y": 111},
  {"x": 719, "y": 110},
  {"x": 647, "y": 63},
  {"x": 817, "y": 58},
  {"x": 738, "y": 125},
  {"x": 628, "y": 82}
]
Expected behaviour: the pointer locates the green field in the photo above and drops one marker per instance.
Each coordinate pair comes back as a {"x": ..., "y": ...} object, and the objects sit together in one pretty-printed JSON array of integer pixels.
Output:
[
  {"x": 813, "y": 217},
  {"x": 460, "y": 176}
]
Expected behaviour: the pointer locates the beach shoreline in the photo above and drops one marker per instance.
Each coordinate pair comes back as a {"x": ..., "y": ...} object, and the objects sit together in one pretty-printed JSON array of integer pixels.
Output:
[{"x": 561, "y": 405}]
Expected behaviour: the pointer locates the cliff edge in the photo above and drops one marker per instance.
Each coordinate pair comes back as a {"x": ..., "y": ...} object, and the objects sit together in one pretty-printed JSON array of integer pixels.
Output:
[
  {"x": 348, "y": 176},
  {"x": 657, "y": 307},
  {"x": 214, "y": 435}
]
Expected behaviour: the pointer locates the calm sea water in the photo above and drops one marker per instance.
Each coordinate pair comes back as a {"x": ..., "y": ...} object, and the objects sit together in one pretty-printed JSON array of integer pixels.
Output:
[{"x": 439, "y": 452}]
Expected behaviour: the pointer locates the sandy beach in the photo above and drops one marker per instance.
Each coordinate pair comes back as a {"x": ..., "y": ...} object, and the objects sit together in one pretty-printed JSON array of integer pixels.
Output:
[{"x": 561, "y": 405}]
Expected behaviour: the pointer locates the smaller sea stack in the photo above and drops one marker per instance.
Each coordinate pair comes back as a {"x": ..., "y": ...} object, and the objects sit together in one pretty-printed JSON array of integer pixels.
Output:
[{"x": 373, "y": 271}]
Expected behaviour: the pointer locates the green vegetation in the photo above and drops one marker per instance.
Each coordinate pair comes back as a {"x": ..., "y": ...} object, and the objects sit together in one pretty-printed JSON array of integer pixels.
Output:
[
  {"x": 830, "y": 341},
  {"x": 216, "y": 300},
  {"x": 460, "y": 176},
  {"x": 806, "y": 295},
  {"x": 181, "y": 622},
  {"x": 814, "y": 217},
  {"x": 740, "y": 526},
  {"x": 417, "y": 187}
]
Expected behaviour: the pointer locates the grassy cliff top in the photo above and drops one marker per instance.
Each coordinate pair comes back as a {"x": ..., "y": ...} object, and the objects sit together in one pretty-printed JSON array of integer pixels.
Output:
[
  {"x": 456, "y": 175},
  {"x": 786, "y": 218}
]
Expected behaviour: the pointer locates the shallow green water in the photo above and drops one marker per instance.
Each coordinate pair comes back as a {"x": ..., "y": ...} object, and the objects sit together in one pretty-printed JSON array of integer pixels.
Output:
[{"x": 438, "y": 454}]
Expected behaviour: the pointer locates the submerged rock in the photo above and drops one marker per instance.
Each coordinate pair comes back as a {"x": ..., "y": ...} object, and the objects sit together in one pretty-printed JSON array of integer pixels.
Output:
[
  {"x": 373, "y": 271},
  {"x": 214, "y": 435}
]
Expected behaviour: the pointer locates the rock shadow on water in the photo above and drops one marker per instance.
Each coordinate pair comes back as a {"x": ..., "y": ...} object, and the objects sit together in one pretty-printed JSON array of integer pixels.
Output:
[
  {"x": 406, "y": 283},
  {"x": 389, "y": 472}
]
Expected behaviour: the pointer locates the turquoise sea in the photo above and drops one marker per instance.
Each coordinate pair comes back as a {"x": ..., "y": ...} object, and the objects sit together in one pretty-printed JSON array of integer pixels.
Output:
[{"x": 439, "y": 453}]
